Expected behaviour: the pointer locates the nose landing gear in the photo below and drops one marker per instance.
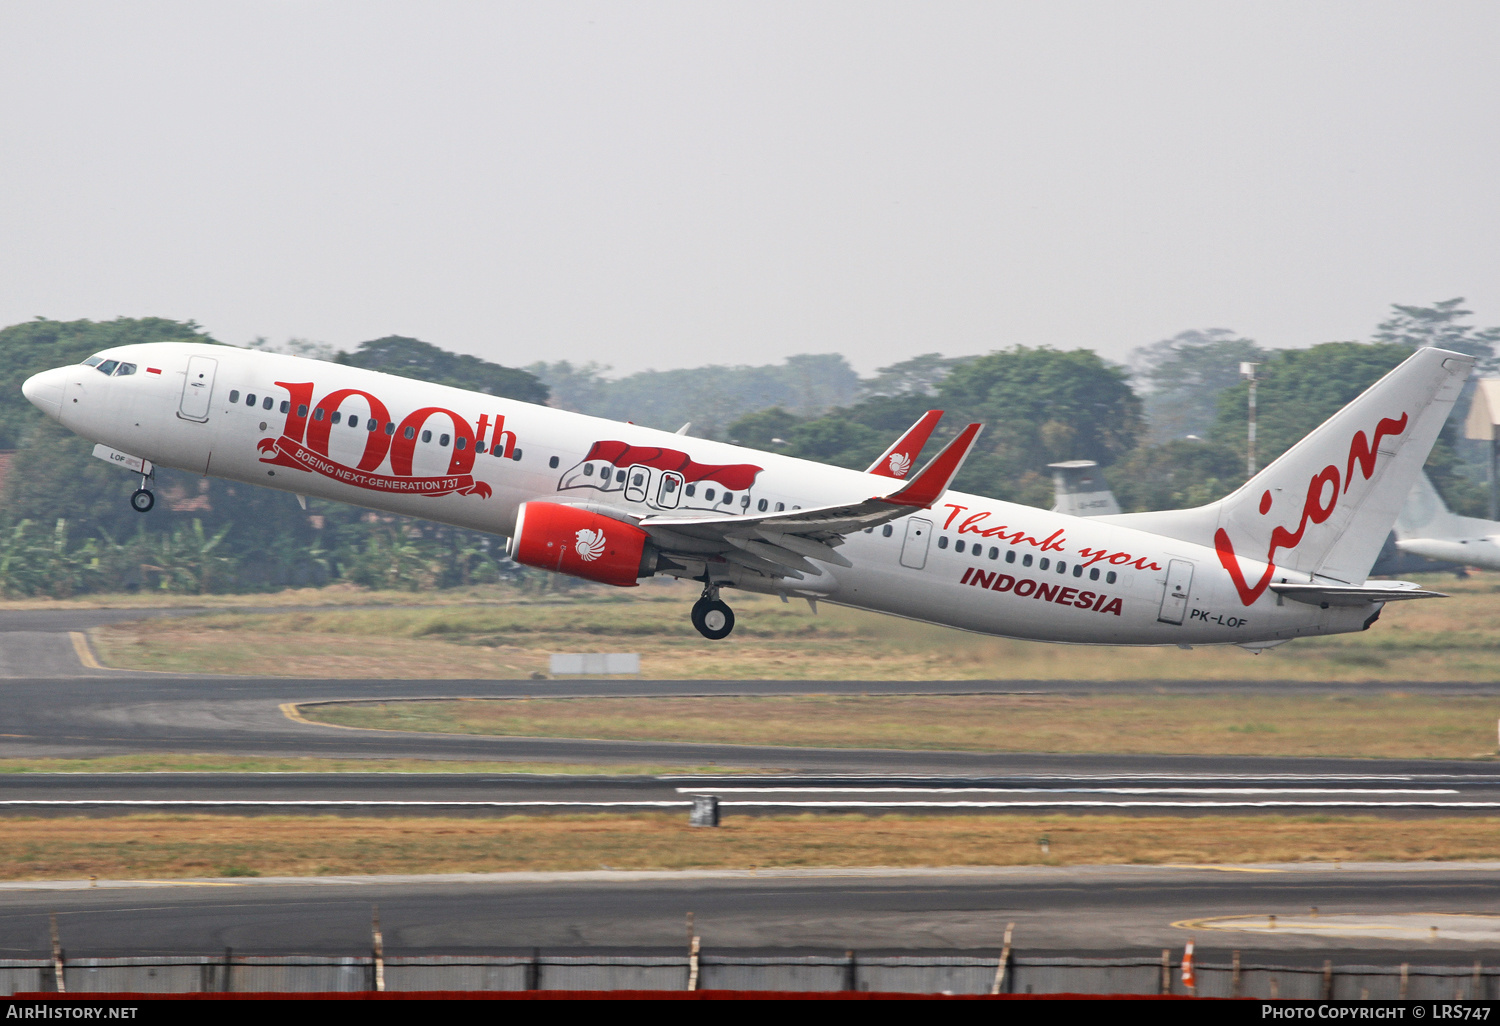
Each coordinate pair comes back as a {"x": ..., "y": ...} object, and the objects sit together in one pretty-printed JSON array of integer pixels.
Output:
[
  {"x": 713, "y": 618},
  {"x": 142, "y": 499}
]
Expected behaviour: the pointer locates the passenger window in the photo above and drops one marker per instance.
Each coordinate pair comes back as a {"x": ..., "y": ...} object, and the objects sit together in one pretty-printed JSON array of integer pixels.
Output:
[
  {"x": 958, "y": 546},
  {"x": 390, "y": 427},
  {"x": 267, "y": 403},
  {"x": 885, "y": 532},
  {"x": 461, "y": 443},
  {"x": 709, "y": 495},
  {"x": 691, "y": 489},
  {"x": 669, "y": 483},
  {"x": 318, "y": 413},
  {"x": 638, "y": 480},
  {"x": 250, "y": 399},
  {"x": 286, "y": 406},
  {"x": 744, "y": 502},
  {"x": 552, "y": 463},
  {"x": 410, "y": 432},
  {"x": 479, "y": 445},
  {"x": 1109, "y": 578},
  {"x": 442, "y": 439},
  {"x": 620, "y": 478},
  {"x": 1010, "y": 555},
  {"x": 728, "y": 497},
  {"x": 1077, "y": 569},
  {"x": 1062, "y": 567},
  {"x": 1044, "y": 563},
  {"x": 107, "y": 367},
  {"x": 762, "y": 505},
  {"x": 234, "y": 395},
  {"x": 588, "y": 470},
  {"x": 1026, "y": 559},
  {"x": 1094, "y": 574},
  {"x": 516, "y": 455},
  {"x": 780, "y": 506},
  {"x": 301, "y": 409},
  {"x": 426, "y": 436},
  {"x": 336, "y": 416},
  {"x": 124, "y": 369},
  {"x": 943, "y": 541},
  {"x": 994, "y": 552},
  {"x": 869, "y": 530},
  {"x": 372, "y": 424}
]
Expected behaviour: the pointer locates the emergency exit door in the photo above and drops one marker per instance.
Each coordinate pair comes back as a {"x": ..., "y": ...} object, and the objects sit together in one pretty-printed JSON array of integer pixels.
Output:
[
  {"x": 914, "y": 547},
  {"x": 1179, "y": 584}
]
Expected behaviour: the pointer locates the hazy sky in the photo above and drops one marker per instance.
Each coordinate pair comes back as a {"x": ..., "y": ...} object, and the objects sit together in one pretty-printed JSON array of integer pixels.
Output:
[{"x": 673, "y": 184}]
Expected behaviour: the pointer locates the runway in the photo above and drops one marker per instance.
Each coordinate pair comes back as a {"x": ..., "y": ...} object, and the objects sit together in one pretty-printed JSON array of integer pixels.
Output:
[
  {"x": 1079, "y": 911},
  {"x": 421, "y": 794}
]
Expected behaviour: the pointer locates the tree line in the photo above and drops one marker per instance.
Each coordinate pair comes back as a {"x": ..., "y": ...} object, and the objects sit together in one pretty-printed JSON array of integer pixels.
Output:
[{"x": 1170, "y": 429}]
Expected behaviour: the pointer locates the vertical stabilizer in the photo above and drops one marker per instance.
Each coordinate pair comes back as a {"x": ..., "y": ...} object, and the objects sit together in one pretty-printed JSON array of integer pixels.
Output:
[
  {"x": 1079, "y": 490},
  {"x": 1326, "y": 506},
  {"x": 1425, "y": 514}
]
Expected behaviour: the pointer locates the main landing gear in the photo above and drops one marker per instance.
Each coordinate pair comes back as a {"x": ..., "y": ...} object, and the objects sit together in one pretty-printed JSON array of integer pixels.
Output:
[
  {"x": 712, "y": 617},
  {"x": 143, "y": 498}
]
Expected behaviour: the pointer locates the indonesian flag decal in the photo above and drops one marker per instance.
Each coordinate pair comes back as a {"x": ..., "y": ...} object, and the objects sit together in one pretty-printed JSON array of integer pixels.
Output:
[{"x": 734, "y": 476}]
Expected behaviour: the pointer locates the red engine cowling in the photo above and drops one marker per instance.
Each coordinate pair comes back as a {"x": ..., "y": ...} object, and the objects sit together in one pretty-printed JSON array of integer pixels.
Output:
[{"x": 569, "y": 540}]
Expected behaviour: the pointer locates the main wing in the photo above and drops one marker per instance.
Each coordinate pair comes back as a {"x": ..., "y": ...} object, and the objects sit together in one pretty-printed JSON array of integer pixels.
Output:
[{"x": 782, "y": 544}]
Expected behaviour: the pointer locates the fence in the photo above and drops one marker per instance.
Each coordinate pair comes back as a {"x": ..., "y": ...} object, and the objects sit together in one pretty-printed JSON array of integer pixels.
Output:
[{"x": 928, "y": 974}]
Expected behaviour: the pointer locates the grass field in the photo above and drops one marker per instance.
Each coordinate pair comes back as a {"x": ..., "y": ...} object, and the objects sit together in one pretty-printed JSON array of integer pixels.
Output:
[
  {"x": 500, "y": 633},
  {"x": 161, "y": 847},
  {"x": 1371, "y": 726},
  {"x": 208, "y": 763}
]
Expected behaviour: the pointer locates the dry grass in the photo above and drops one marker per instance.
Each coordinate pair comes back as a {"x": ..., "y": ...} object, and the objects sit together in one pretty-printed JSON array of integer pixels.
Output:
[
  {"x": 1370, "y": 726},
  {"x": 185, "y": 846},
  {"x": 504, "y": 634},
  {"x": 189, "y": 763}
]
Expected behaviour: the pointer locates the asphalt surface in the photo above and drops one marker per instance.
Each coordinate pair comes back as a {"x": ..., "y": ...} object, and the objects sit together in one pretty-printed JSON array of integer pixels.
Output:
[{"x": 1079, "y": 911}]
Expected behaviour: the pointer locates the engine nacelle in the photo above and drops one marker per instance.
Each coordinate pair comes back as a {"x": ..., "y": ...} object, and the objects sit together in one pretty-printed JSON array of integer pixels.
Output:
[{"x": 569, "y": 540}]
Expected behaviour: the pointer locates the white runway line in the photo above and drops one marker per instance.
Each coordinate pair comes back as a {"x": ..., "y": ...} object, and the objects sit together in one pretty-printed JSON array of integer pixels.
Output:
[
  {"x": 1069, "y": 790},
  {"x": 737, "y": 803}
]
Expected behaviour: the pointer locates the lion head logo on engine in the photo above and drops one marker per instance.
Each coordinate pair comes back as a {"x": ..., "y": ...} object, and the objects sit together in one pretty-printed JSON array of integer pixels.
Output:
[
  {"x": 590, "y": 545},
  {"x": 899, "y": 463}
]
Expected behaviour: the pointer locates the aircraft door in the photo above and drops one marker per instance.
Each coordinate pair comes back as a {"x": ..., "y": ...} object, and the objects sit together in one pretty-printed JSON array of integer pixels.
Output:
[
  {"x": 670, "y": 492},
  {"x": 914, "y": 547},
  {"x": 1175, "y": 599},
  {"x": 198, "y": 388},
  {"x": 637, "y": 480}
]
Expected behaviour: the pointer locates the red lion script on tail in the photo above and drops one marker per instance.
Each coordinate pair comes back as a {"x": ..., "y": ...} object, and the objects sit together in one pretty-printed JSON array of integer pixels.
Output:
[
  {"x": 734, "y": 476},
  {"x": 1362, "y": 452}
]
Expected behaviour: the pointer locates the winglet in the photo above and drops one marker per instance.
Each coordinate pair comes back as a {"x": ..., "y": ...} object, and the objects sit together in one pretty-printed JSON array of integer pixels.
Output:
[
  {"x": 898, "y": 460},
  {"x": 928, "y": 486}
]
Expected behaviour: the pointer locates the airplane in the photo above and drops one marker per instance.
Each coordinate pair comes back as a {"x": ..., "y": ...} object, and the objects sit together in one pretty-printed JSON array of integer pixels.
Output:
[
  {"x": 1426, "y": 528},
  {"x": 1079, "y": 489},
  {"x": 1284, "y": 556}
]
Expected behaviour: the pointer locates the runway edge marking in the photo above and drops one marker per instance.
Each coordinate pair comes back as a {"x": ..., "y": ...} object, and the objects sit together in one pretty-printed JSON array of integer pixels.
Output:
[{"x": 84, "y": 651}]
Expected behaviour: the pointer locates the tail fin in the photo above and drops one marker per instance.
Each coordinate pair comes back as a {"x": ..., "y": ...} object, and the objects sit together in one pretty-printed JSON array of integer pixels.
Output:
[
  {"x": 1079, "y": 490},
  {"x": 1326, "y": 506},
  {"x": 1425, "y": 514}
]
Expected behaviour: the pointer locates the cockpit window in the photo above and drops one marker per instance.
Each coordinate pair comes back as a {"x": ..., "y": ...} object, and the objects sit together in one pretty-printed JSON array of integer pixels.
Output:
[
  {"x": 93, "y": 361},
  {"x": 107, "y": 367},
  {"x": 124, "y": 369}
]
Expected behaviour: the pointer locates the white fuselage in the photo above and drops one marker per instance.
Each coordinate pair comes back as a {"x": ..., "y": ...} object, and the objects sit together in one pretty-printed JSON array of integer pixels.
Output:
[{"x": 1022, "y": 572}]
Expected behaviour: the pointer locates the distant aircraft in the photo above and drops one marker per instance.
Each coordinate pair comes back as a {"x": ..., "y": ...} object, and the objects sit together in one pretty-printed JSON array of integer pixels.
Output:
[
  {"x": 1079, "y": 490},
  {"x": 1284, "y": 556},
  {"x": 1426, "y": 528}
]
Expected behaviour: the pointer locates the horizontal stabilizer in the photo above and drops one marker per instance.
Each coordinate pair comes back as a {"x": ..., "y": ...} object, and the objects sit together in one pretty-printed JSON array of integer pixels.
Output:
[{"x": 1351, "y": 595}]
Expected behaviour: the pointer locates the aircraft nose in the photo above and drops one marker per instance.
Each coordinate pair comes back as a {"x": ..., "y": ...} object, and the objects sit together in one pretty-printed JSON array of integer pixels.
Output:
[{"x": 45, "y": 390}]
